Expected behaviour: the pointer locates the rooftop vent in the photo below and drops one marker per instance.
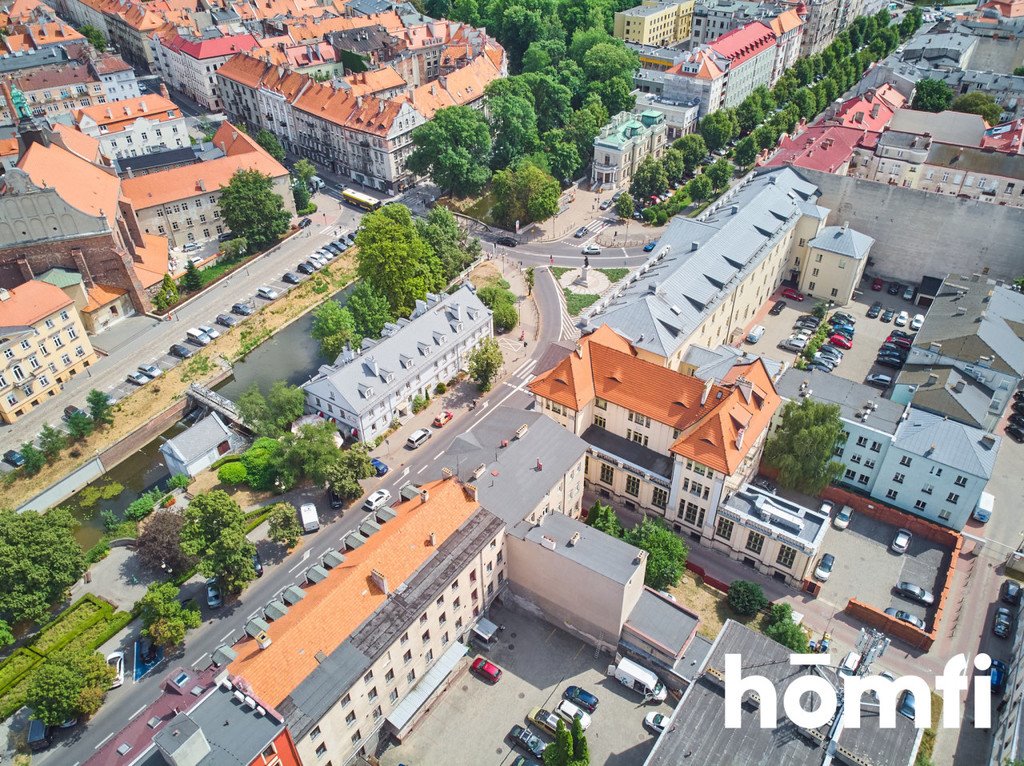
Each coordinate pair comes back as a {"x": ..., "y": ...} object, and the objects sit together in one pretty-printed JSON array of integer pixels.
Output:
[
  {"x": 574, "y": 539},
  {"x": 548, "y": 542},
  {"x": 521, "y": 431}
]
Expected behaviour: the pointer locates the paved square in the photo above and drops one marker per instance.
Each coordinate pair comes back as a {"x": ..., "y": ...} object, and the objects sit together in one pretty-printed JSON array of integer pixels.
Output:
[
  {"x": 868, "y": 569},
  {"x": 471, "y": 720}
]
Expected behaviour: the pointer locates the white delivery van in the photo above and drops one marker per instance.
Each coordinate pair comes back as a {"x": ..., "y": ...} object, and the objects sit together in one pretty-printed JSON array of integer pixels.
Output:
[
  {"x": 755, "y": 334},
  {"x": 309, "y": 518},
  {"x": 315, "y": 183},
  {"x": 986, "y": 504},
  {"x": 639, "y": 679}
]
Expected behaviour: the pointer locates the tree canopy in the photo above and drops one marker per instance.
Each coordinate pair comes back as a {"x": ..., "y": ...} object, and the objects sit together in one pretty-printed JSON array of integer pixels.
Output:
[
  {"x": 100, "y": 409},
  {"x": 454, "y": 149},
  {"x": 370, "y": 310},
  {"x": 650, "y": 178},
  {"x": 803, "y": 446},
  {"x": 603, "y": 517},
  {"x": 164, "y": 620},
  {"x": 524, "y": 193},
  {"x": 334, "y": 327},
  {"x": 484, "y": 362},
  {"x": 252, "y": 209},
  {"x": 283, "y": 525},
  {"x": 666, "y": 552},
  {"x": 214, "y": 533},
  {"x": 159, "y": 543},
  {"x": 932, "y": 95},
  {"x": 980, "y": 103},
  {"x": 781, "y": 628},
  {"x": 273, "y": 414},
  {"x": 271, "y": 144},
  {"x": 746, "y": 598},
  {"x": 68, "y": 684}
]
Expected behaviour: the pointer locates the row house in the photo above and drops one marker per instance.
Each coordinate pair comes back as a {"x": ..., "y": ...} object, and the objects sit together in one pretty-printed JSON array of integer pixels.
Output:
[
  {"x": 190, "y": 65},
  {"x": 134, "y": 126},
  {"x": 54, "y": 91},
  {"x": 659, "y": 441},
  {"x": 655, "y": 22}
]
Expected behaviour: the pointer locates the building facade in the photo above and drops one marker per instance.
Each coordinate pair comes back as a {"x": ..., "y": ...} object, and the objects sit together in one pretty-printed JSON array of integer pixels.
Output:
[
  {"x": 835, "y": 265},
  {"x": 131, "y": 127},
  {"x": 624, "y": 143},
  {"x": 655, "y": 22},
  {"x": 190, "y": 66}
]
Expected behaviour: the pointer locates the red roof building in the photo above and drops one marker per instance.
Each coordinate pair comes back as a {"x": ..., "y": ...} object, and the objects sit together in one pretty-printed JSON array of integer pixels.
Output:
[
  {"x": 872, "y": 110},
  {"x": 827, "y": 148},
  {"x": 741, "y": 45}
]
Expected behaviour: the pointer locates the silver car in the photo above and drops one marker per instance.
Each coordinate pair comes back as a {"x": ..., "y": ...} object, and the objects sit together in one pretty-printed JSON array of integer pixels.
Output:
[{"x": 901, "y": 542}]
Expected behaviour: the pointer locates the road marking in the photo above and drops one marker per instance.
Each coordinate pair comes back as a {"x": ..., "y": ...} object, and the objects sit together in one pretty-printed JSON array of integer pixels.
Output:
[
  {"x": 522, "y": 371},
  {"x": 439, "y": 454},
  {"x": 480, "y": 419},
  {"x": 104, "y": 741},
  {"x": 404, "y": 473},
  {"x": 227, "y": 635},
  {"x": 198, "y": 661},
  {"x": 136, "y": 713},
  {"x": 422, "y": 470},
  {"x": 523, "y": 366},
  {"x": 305, "y": 556}
]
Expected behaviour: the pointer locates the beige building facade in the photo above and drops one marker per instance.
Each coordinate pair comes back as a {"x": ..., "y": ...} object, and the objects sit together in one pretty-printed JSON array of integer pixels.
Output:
[
  {"x": 624, "y": 143},
  {"x": 655, "y": 22},
  {"x": 835, "y": 264}
]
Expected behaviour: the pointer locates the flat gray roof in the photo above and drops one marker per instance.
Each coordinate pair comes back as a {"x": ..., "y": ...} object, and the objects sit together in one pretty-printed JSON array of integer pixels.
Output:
[
  {"x": 947, "y": 127},
  {"x": 945, "y": 441},
  {"x": 663, "y": 622},
  {"x": 602, "y": 554},
  {"x": 945, "y": 390},
  {"x": 768, "y": 509},
  {"x": 850, "y": 396},
  {"x": 627, "y": 449}
]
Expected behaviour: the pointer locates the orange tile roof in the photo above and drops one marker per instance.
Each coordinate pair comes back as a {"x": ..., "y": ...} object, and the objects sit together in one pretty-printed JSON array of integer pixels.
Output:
[
  {"x": 30, "y": 302},
  {"x": 309, "y": 30},
  {"x": 374, "y": 81},
  {"x": 786, "y": 21},
  {"x": 152, "y": 263},
  {"x": 52, "y": 33},
  {"x": 23, "y": 10},
  {"x": 16, "y": 43},
  {"x": 8, "y": 147},
  {"x": 605, "y": 365},
  {"x": 334, "y": 608},
  {"x": 119, "y": 115},
  {"x": 86, "y": 147},
  {"x": 100, "y": 296},
  {"x": 86, "y": 187}
]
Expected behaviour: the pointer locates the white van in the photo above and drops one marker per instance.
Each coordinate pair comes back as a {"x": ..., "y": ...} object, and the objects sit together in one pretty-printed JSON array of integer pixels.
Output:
[
  {"x": 639, "y": 679},
  {"x": 986, "y": 504},
  {"x": 315, "y": 183},
  {"x": 197, "y": 336},
  {"x": 308, "y": 516},
  {"x": 418, "y": 438},
  {"x": 755, "y": 334}
]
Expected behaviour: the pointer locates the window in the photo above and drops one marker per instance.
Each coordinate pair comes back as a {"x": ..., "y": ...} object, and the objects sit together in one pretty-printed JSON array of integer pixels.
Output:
[
  {"x": 405, "y": 637},
  {"x": 891, "y": 494},
  {"x": 356, "y": 737},
  {"x": 633, "y": 486},
  {"x": 429, "y": 656},
  {"x": 346, "y": 700},
  {"x": 368, "y": 677},
  {"x": 637, "y": 436},
  {"x": 863, "y": 479},
  {"x": 960, "y": 481},
  {"x": 350, "y": 718},
  {"x": 19, "y": 374},
  {"x": 810, "y": 286},
  {"x": 372, "y": 694},
  {"x": 755, "y": 542},
  {"x": 321, "y": 750},
  {"x": 600, "y": 403},
  {"x": 389, "y": 676},
  {"x": 936, "y": 471},
  {"x": 25, "y": 345},
  {"x": 850, "y": 474},
  {"x": 953, "y": 498},
  {"x": 659, "y": 498},
  {"x": 876, "y": 446},
  {"x": 786, "y": 556},
  {"x": 945, "y": 515},
  {"x": 693, "y": 514},
  {"x": 898, "y": 478},
  {"x": 920, "y": 504},
  {"x": 814, "y": 272},
  {"x": 44, "y": 381},
  {"x": 600, "y": 422},
  {"x": 393, "y": 697},
  {"x": 407, "y": 657},
  {"x": 426, "y": 636},
  {"x": 411, "y": 676},
  {"x": 905, "y": 460},
  {"x": 315, "y": 734},
  {"x": 855, "y": 459},
  {"x": 724, "y": 528},
  {"x": 862, "y": 441},
  {"x": 640, "y": 420}
]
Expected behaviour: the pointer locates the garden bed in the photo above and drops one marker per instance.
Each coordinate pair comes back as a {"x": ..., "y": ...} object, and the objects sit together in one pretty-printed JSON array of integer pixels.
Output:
[{"x": 577, "y": 302}]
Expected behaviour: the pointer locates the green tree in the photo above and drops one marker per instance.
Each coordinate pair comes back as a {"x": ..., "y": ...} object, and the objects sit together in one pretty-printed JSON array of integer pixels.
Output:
[
  {"x": 484, "y": 362},
  {"x": 615, "y": 94},
  {"x": 513, "y": 123},
  {"x": 700, "y": 188},
  {"x": 251, "y": 209},
  {"x": 164, "y": 620},
  {"x": 559, "y": 752},
  {"x": 502, "y": 303},
  {"x": 94, "y": 36},
  {"x": 234, "y": 249},
  {"x": 650, "y": 178},
  {"x": 584, "y": 39},
  {"x": 675, "y": 164},
  {"x": 603, "y": 517},
  {"x": 765, "y": 136},
  {"x": 6, "y": 636},
  {"x": 719, "y": 173},
  {"x": 694, "y": 150},
  {"x": 781, "y": 628},
  {"x": 580, "y": 748},
  {"x": 304, "y": 170},
  {"x": 718, "y": 129},
  {"x": 454, "y": 149},
  {"x": 582, "y": 128},
  {"x": 806, "y": 103},
  {"x": 448, "y": 240},
  {"x": 261, "y": 462},
  {"x": 54, "y": 693},
  {"x": 232, "y": 473},
  {"x": 562, "y": 154},
  {"x": 283, "y": 525},
  {"x": 300, "y": 196},
  {"x": 980, "y": 103},
  {"x": 273, "y": 414},
  {"x": 167, "y": 295},
  {"x": 191, "y": 281},
  {"x": 40, "y": 559},
  {"x": 79, "y": 426},
  {"x": 395, "y": 260},
  {"x": 608, "y": 61},
  {"x": 932, "y": 95},
  {"x": 666, "y": 552},
  {"x": 271, "y": 144},
  {"x": 334, "y": 328},
  {"x": 552, "y": 101},
  {"x": 159, "y": 542},
  {"x": 1018, "y": 71},
  {"x": 525, "y": 193},
  {"x": 51, "y": 442},
  {"x": 746, "y": 598},
  {"x": 531, "y": 277},
  {"x": 370, "y": 310},
  {"x": 746, "y": 151},
  {"x": 344, "y": 474},
  {"x": 625, "y": 206},
  {"x": 100, "y": 408},
  {"x": 33, "y": 457},
  {"x": 310, "y": 452},
  {"x": 749, "y": 114},
  {"x": 803, "y": 446},
  {"x": 214, "y": 533}
]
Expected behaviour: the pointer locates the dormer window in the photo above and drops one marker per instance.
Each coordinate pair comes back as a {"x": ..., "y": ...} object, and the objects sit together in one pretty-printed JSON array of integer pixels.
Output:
[{"x": 365, "y": 391}]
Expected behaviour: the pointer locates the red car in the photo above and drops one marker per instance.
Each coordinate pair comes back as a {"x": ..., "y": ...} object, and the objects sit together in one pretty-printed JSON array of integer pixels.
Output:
[
  {"x": 841, "y": 341},
  {"x": 877, "y": 285},
  {"x": 901, "y": 342},
  {"x": 443, "y": 418},
  {"x": 793, "y": 295},
  {"x": 486, "y": 670}
]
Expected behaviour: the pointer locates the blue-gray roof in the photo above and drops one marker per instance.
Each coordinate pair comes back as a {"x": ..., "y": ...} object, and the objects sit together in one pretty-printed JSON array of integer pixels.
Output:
[
  {"x": 662, "y": 621},
  {"x": 715, "y": 363},
  {"x": 602, "y": 554},
  {"x": 959, "y": 446},
  {"x": 698, "y": 263},
  {"x": 842, "y": 240},
  {"x": 853, "y": 399},
  {"x": 198, "y": 439}
]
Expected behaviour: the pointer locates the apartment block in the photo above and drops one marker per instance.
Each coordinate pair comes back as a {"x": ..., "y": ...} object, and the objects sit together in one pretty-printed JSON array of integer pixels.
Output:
[
  {"x": 190, "y": 65},
  {"x": 135, "y": 126},
  {"x": 835, "y": 264},
  {"x": 624, "y": 143},
  {"x": 655, "y": 22},
  {"x": 43, "y": 343}
]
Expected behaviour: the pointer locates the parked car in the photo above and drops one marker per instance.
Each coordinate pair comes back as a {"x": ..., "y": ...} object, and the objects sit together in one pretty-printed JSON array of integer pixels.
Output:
[
  {"x": 214, "y": 597},
  {"x": 226, "y": 320},
  {"x": 895, "y": 288},
  {"x": 544, "y": 720},
  {"x": 150, "y": 370},
  {"x": 268, "y": 293},
  {"x": 899, "y": 340},
  {"x": 209, "y": 331},
  {"x": 901, "y": 319},
  {"x": 998, "y": 672},
  {"x": 1016, "y": 433},
  {"x": 842, "y": 519},
  {"x": 907, "y": 617},
  {"x": 820, "y": 367},
  {"x": 379, "y": 466},
  {"x": 891, "y": 349},
  {"x": 73, "y": 410},
  {"x": 190, "y": 247},
  {"x": 875, "y": 310},
  {"x": 902, "y": 334},
  {"x": 917, "y": 322},
  {"x": 877, "y": 284},
  {"x": 508, "y": 241},
  {"x": 1002, "y": 622},
  {"x": 764, "y": 483},
  {"x": 290, "y": 278},
  {"x": 655, "y": 722},
  {"x": 792, "y": 294},
  {"x": 14, "y": 458},
  {"x": 844, "y": 330},
  {"x": 1018, "y": 396},
  {"x": 257, "y": 564},
  {"x": 377, "y": 500},
  {"x": 908, "y": 294},
  {"x": 486, "y": 669},
  {"x": 915, "y": 593},
  {"x": 901, "y": 541},
  {"x": 1018, "y": 408},
  {"x": 794, "y": 344},
  {"x": 650, "y": 246},
  {"x": 841, "y": 340},
  {"x": 842, "y": 316},
  {"x": 777, "y": 308},
  {"x": 334, "y": 499},
  {"x": 527, "y": 740},
  {"x": 181, "y": 351},
  {"x": 116, "y": 661},
  {"x": 889, "y": 361},
  {"x": 820, "y": 360},
  {"x": 304, "y": 222},
  {"x": 1016, "y": 420},
  {"x": 887, "y": 315},
  {"x": 147, "y": 651},
  {"x": 442, "y": 419},
  {"x": 824, "y": 569},
  {"x": 908, "y": 705},
  {"x": 881, "y": 381},
  {"x": 832, "y": 353},
  {"x": 242, "y": 309},
  {"x": 306, "y": 268},
  {"x": 581, "y": 232},
  {"x": 137, "y": 378},
  {"x": 580, "y": 696},
  {"x": 591, "y": 249},
  {"x": 568, "y": 711}
]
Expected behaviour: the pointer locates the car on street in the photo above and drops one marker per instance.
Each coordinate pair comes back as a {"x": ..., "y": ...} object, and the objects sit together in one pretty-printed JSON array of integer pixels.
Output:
[
  {"x": 777, "y": 308},
  {"x": 545, "y": 720},
  {"x": 908, "y": 705},
  {"x": 917, "y": 322},
  {"x": 242, "y": 309},
  {"x": 377, "y": 500},
  {"x": 290, "y": 278},
  {"x": 257, "y": 564},
  {"x": 877, "y": 284},
  {"x": 304, "y": 222},
  {"x": 1002, "y": 622},
  {"x": 72, "y": 410},
  {"x": 527, "y": 740},
  {"x": 887, "y": 315},
  {"x": 842, "y": 519},
  {"x": 824, "y": 569},
  {"x": 507, "y": 241},
  {"x": 915, "y": 593},
  {"x": 655, "y": 722},
  {"x": 306, "y": 268},
  {"x": 209, "y": 331},
  {"x": 793, "y": 295},
  {"x": 181, "y": 351},
  {"x": 486, "y": 669},
  {"x": 568, "y": 711},
  {"x": 214, "y": 597},
  {"x": 418, "y": 438},
  {"x": 226, "y": 320},
  {"x": 379, "y": 466},
  {"x": 14, "y": 458},
  {"x": 268, "y": 293},
  {"x": 875, "y": 310},
  {"x": 998, "y": 672},
  {"x": 908, "y": 293},
  {"x": 879, "y": 380},
  {"x": 901, "y": 319},
  {"x": 581, "y": 232},
  {"x": 901, "y": 540},
  {"x": 137, "y": 378},
  {"x": 841, "y": 340},
  {"x": 907, "y": 617},
  {"x": 605, "y": 204},
  {"x": 150, "y": 370},
  {"x": 580, "y": 696},
  {"x": 1016, "y": 433},
  {"x": 650, "y": 246},
  {"x": 116, "y": 661},
  {"x": 442, "y": 419},
  {"x": 895, "y": 288},
  {"x": 591, "y": 249}
]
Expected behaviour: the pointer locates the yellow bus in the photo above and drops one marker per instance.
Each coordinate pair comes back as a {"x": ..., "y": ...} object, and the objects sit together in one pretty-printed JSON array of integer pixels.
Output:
[{"x": 365, "y": 201}]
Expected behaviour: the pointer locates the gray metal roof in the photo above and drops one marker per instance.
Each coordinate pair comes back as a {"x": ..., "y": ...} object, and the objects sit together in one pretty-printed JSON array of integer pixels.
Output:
[
  {"x": 851, "y": 397},
  {"x": 155, "y": 160},
  {"x": 974, "y": 160},
  {"x": 947, "y": 127},
  {"x": 50, "y": 55},
  {"x": 602, "y": 554},
  {"x": 663, "y": 622},
  {"x": 698, "y": 263},
  {"x": 959, "y": 446},
  {"x": 714, "y": 364},
  {"x": 947, "y": 391},
  {"x": 842, "y": 240},
  {"x": 787, "y": 518},
  {"x": 627, "y": 449},
  {"x": 358, "y": 383},
  {"x": 198, "y": 439},
  {"x": 510, "y": 484}
]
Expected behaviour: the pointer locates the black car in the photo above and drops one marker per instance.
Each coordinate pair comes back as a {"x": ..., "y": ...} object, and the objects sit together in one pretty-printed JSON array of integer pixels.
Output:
[
  {"x": 1002, "y": 622},
  {"x": 226, "y": 236},
  {"x": 305, "y": 268},
  {"x": 842, "y": 316},
  {"x": 1017, "y": 420},
  {"x": 777, "y": 308},
  {"x": 887, "y": 315},
  {"x": 257, "y": 564},
  {"x": 527, "y": 740},
  {"x": 1016, "y": 433},
  {"x": 507, "y": 241},
  {"x": 226, "y": 320},
  {"x": 1018, "y": 408},
  {"x": 875, "y": 310},
  {"x": 894, "y": 349},
  {"x": 907, "y": 617},
  {"x": 72, "y": 410},
  {"x": 14, "y": 458},
  {"x": 895, "y": 288},
  {"x": 819, "y": 367},
  {"x": 242, "y": 309},
  {"x": 181, "y": 351},
  {"x": 334, "y": 499},
  {"x": 290, "y": 278},
  {"x": 1018, "y": 396},
  {"x": 305, "y": 222},
  {"x": 897, "y": 333},
  {"x": 147, "y": 650},
  {"x": 334, "y": 247},
  {"x": 889, "y": 361},
  {"x": 1011, "y": 592}
]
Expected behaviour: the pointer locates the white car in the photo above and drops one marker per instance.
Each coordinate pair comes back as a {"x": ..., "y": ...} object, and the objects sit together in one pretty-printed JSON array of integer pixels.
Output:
[
  {"x": 378, "y": 499},
  {"x": 567, "y": 711},
  {"x": 842, "y": 519},
  {"x": 655, "y": 722},
  {"x": 209, "y": 330},
  {"x": 901, "y": 319},
  {"x": 794, "y": 344},
  {"x": 268, "y": 293},
  {"x": 151, "y": 370},
  {"x": 190, "y": 247},
  {"x": 917, "y": 322},
  {"x": 195, "y": 260},
  {"x": 116, "y": 661},
  {"x": 901, "y": 541},
  {"x": 591, "y": 249},
  {"x": 824, "y": 569}
]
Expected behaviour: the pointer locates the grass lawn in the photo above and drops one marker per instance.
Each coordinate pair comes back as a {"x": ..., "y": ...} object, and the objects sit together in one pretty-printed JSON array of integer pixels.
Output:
[
  {"x": 711, "y": 605},
  {"x": 614, "y": 275},
  {"x": 558, "y": 271},
  {"x": 576, "y": 302}
]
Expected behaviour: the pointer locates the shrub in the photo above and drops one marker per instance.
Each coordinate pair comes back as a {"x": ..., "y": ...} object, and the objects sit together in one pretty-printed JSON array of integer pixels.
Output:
[
  {"x": 141, "y": 508},
  {"x": 418, "y": 404},
  {"x": 440, "y": 388},
  {"x": 179, "y": 481},
  {"x": 746, "y": 598},
  {"x": 232, "y": 473}
]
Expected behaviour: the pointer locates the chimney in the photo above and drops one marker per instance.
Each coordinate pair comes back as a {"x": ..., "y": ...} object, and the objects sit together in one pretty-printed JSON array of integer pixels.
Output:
[
  {"x": 548, "y": 542},
  {"x": 424, "y": 496},
  {"x": 707, "y": 391},
  {"x": 202, "y": 184},
  {"x": 988, "y": 441},
  {"x": 380, "y": 106},
  {"x": 142, "y": 107},
  {"x": 5, "y": 294},
  {"x": 433, "y": 539},
  {"x": 694, "y": 246},
  {"x": 540, "y": 465},
  {"x": 932, "y": 379},
  {"x": 380, "y": 581},
  {"x": 359, "y": 102},
  {"x": 958, "y": 387},
  {"x": 574, "y": 539},
  {"x": 110, "y": 114}
]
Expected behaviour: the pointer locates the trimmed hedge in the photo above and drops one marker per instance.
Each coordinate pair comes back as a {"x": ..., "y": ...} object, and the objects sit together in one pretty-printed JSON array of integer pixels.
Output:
[{"x": 223, "y": 460}]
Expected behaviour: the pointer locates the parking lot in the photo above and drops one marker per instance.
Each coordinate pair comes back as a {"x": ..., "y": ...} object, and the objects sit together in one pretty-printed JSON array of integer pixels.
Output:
[
  {"x": 471, "y": 720},
  {"x": 868, "y": 569},
  {"x": 859, "y": 361}
]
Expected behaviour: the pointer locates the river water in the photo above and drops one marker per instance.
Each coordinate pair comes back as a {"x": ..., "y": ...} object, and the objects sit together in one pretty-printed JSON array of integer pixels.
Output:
[{"x": 291, "y": 355}]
